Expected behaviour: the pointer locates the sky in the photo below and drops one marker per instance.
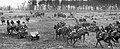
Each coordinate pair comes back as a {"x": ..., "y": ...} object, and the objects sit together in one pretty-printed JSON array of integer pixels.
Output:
[{"x": 12, "y": 3}]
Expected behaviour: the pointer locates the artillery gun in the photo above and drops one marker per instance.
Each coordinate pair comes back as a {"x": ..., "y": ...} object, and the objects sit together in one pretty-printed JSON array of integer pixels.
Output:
[{"x": 35, "y": 35}]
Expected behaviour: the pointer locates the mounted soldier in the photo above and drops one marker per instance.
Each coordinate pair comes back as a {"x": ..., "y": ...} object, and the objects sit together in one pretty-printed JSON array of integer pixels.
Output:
[
  {"x": 108, "y": 28},
  {"x": 8, "y": 26},
  {"x": 11, "y": 27},
  {"x": 22, "y": 32},
  {"x": 24, "y": 25},
  {"x": 27, "y": 18},
  {"x": 12, "y": 22},
  {"x": 18, "y": 26},
  {"x": 8, "y": 23},
  {"x": 61, "y": 25}
]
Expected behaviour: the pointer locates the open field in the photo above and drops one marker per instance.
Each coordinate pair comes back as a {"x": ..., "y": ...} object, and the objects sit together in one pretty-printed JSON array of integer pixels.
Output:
[{"x": 47, "y": 40}]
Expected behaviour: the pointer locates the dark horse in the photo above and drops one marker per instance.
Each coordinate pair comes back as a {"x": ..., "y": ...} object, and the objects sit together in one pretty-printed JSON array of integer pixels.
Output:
[
  {"x": 83, "y": 32},
  {"x": 74, "y": 35},
  {"x": 60, "y": 31},
  {"x": 115, "y": 35},
  {"x": 11, "y": 27},
  {"x": 106, "y": 37}
]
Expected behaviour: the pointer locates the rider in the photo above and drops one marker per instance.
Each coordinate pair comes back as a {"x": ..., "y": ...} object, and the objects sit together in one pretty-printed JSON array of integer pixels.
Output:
[
  {"x": 62, "y": 23},
  {"x": 27, "y": 18},
  {"x": 13, "y": 27},
  {"x": 12, "y": 22},
  {"x": 24, "y": 25},
  {"x": 102, "y": 28},
  {"x": 18, "y": 23},
  {"x": 8, "y": 23}
]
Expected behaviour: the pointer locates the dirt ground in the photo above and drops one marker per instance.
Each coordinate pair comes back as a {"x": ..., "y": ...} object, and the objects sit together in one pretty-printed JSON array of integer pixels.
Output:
[{"x": 47, "y": 40}]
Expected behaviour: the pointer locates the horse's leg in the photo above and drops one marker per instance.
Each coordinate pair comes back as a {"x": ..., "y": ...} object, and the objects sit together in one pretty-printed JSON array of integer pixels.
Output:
[
  {"x": 114, "y": 44},
  {"x": 7, "y": 31},
  {"x": 83, "y": 38},
  {"x": 56, "y": 36},
  {"x": 59, "y": 36},
  {"x": 110, "y": 44},
  {"x": 74, "y": 41},
  {"x": 79, "y": 38},
  {"x": 11, "y": 32},
  {"x": 96, "y": 43},
  {"x": 71, "y": 40},
  {"x": 63, "y": 36},
  {"x": 100, "y": 44},
  {"x": 67, "y": 40}
]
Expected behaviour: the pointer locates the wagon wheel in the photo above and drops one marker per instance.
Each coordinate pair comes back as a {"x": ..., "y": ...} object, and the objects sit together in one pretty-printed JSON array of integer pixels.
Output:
[
  {"x": 71, "y": 42},
  {"x": 26, "y": 34}
]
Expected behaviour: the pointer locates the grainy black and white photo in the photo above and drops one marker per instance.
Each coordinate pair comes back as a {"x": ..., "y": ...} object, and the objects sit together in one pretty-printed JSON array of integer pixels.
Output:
[{"x": 59, "y": 24}]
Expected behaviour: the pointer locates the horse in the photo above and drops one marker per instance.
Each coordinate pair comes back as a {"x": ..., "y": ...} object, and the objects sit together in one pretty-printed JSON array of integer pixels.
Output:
[
  {"x": 104, "y": 36},
  {"x": 83, "y": 32},
  {"x": 2, "y": 20},
  {"x": 27, "y": 19},
  {"x": 11, "y": 28},
  {"x": 22, "y": 32},
  {"x": 75, "y": 34},
  {"x": 60, "y": 30},
  {"x": 115, "y": 35},
  {"x": 82, "y": 20}
]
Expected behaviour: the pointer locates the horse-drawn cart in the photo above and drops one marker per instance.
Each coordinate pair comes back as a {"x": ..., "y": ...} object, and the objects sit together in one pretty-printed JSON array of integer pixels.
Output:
[
  {"x": 23, "y": 33},
  {"x": 35, "y": 35}
]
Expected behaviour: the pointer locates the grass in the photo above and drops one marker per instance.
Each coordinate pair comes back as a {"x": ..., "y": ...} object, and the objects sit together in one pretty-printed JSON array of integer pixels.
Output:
[{"x": 47, "y": 40}]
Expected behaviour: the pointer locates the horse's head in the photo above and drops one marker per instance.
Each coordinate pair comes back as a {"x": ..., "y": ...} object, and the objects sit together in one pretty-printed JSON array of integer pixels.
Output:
[
  {"x": 55, "y": 27},
  {"x": 69, "y": 29}
]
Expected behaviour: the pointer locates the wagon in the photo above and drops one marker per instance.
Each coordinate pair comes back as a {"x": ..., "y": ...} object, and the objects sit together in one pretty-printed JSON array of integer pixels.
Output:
[{"x": 35, "y": 35}]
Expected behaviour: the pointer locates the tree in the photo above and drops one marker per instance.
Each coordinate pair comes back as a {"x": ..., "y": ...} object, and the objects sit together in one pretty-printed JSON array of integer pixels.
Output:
[
  {"x": 9, "y": 7},
  {"x": 34, "y": 2}
]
